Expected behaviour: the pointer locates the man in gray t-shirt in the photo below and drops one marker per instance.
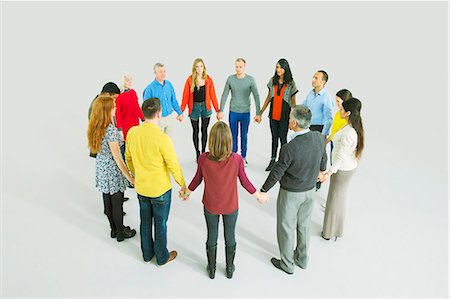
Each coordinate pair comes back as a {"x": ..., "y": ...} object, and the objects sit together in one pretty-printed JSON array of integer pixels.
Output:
[{"x": 241, "y": 86}]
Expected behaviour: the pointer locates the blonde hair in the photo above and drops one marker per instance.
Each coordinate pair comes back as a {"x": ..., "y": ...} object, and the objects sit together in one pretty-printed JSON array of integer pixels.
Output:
[
  {"x": 99, "y": 121},
  {"x": 194, "y": 74},
  {"x": 240, "y": 59},
  {"x": 220, "y": 142}
]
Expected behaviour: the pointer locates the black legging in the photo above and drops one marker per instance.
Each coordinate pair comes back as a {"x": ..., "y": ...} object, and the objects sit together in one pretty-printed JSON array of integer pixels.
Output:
[
  {"x": 114, "y": 210},
  {"x": 195, "y": 132},
  {"x": 279, "y": 130}
]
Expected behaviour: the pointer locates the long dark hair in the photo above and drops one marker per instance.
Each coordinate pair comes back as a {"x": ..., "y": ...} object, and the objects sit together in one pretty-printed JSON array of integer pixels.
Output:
[
  {"x": 287, "y": 72},
  {"x": 344, "y": 94},
  {"x": 354, "y": 106}
]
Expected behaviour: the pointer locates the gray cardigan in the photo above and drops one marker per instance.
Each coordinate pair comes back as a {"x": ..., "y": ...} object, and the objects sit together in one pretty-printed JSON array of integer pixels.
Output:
[{"x": 299, "y": 163}]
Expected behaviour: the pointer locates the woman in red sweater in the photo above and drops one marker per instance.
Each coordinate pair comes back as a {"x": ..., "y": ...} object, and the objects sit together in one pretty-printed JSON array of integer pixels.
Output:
[
  {"x": 128, "y": 111},
  {"x": 220, "y": 169},
  {"x": 199, "y": 94}
]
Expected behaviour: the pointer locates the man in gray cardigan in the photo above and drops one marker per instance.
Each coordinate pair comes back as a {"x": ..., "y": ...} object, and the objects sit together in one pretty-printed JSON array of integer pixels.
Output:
[{"x": 297, "y": 170}]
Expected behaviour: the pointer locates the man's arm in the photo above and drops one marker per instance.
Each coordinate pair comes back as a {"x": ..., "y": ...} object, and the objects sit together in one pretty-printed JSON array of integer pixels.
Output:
[{"x": 278, "y": 170}]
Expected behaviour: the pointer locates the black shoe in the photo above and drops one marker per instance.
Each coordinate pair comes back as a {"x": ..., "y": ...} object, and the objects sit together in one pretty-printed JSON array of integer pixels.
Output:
[
  {"x": 125, "y": 199},
  {"x": 321, "y": 234},
  {"x": 277, "y": 264},
  {"x": 125, "y": 234},
  {"x": 114, "y": 232},
  {"x": 123, "y": 213},
  {"x": 271, "y": 164}
]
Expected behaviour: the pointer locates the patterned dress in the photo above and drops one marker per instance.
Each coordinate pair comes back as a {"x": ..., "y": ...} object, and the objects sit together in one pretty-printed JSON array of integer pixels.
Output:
[{"x": 108, "y": 177}]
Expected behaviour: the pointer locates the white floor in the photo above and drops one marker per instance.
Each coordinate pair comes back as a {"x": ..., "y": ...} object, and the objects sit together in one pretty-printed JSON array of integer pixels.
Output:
[{"x": 56, "y": 241}]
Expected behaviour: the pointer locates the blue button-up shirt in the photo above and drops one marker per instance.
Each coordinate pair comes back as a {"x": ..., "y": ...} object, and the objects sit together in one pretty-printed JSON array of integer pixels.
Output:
[
  {"x": 166, "y": 94},
  {"x": 322, "y": 109}
]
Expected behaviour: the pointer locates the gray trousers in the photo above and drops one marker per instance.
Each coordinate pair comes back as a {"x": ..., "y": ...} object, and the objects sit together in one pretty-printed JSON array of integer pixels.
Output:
[{"x": 293, "y": 220}]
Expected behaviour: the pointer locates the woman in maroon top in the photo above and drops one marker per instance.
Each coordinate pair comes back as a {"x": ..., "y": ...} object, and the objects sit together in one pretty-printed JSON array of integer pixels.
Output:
[{"x": 220, "y": 169}]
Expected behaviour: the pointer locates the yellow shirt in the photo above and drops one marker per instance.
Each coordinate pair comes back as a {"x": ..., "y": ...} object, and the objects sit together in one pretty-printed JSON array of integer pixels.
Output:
[
  {"x": 338, "y": 123},
  {"x": 150, "y": 156}
]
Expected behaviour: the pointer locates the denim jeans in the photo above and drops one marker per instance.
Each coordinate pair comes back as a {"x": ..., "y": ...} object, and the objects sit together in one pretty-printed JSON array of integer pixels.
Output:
[
  {"x": 229, "y": 227},
  {"x": 154, "y": 210},
  {"x": 199, "y": 111},
  {"x": 239, "y": 122}
]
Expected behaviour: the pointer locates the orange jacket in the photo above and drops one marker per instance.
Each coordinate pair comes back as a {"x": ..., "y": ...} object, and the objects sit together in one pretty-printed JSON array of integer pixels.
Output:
[{"x": 188, "y": 96}]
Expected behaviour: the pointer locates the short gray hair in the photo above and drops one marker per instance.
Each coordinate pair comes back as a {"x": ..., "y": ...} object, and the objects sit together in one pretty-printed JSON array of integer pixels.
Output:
[
  {"x": 302, "y": 115},
  {"x": 157, "y": 65}
]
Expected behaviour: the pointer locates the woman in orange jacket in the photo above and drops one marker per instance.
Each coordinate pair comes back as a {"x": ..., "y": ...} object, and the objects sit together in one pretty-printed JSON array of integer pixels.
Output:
[{"x": 199, "y": 94}]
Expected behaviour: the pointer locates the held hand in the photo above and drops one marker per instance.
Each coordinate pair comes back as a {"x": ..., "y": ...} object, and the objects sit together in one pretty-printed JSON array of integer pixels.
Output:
[
  {"x": 184, "y": 193},
  {"x": 180, "y": 117},
  {"x": 322, "y": 176},
  {"x": 262, "y": 197},
  {"x": 219, "y": 115},
  {"x": 257, "y": 119}
]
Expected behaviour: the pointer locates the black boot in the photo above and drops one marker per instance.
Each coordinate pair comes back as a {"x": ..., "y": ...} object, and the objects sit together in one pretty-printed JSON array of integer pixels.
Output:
[
  {"x": 271, "y": 164},
  {"x": 125, "y": 233},
  {"x": 211, "y": 253},
  {"x": 230, "y": 252}
]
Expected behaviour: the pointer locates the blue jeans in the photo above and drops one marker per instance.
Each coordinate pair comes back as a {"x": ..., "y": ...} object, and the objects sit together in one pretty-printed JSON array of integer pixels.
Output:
[
  {"x": 243, "y": 121},
  {"x": 199, "y": 110},
  {"x": 155, "y": 210}
]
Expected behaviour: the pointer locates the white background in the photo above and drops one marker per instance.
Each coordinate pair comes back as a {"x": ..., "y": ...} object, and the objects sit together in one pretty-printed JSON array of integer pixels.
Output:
[{"x": 57, "y": 56}]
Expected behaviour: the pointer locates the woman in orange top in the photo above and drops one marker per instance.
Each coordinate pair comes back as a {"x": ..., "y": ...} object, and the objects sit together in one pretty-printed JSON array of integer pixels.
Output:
[
  {"x": 199, "y": 94},
  {"x": 281, "y": 95}
]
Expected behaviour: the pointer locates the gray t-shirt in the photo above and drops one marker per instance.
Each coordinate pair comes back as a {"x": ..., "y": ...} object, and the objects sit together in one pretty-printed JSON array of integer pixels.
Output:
[{"x": 240, "y": 94}]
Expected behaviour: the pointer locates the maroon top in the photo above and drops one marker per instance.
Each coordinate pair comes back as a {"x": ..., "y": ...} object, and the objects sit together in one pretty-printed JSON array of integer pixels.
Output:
[{"x": 220, "y": 195}]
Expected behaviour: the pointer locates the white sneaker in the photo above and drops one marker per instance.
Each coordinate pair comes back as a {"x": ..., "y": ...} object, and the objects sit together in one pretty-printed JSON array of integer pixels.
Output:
[
  {"x": 245, "y": 162},
  {"x": 323, "y": 204}
]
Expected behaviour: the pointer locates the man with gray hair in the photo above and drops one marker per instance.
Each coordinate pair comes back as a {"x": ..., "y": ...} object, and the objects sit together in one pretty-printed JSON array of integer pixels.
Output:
[
  {"x": 297, "y": 169},
  {"x": 163, "y": 90}
]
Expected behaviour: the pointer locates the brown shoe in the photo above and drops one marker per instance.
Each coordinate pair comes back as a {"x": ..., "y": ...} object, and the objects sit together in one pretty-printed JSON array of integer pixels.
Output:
[{"x": 172, "y": 255}]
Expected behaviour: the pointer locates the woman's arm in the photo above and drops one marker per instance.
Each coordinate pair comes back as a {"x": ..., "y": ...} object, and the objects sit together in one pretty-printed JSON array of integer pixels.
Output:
[
  {"x": 266, "y": 102},
  {"x": 115, "y": 150}
]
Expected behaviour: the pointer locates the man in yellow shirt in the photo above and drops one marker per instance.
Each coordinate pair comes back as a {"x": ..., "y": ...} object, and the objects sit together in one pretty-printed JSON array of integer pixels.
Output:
[{"x": 151, "y": 158}]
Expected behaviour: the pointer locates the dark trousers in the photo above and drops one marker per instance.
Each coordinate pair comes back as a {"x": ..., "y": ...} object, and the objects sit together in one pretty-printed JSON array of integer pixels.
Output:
[
  {"x": 113, "y": 205},
  {"x": 317, "y": 128},
  {"x": 196, "y": 130},
  {"x": 239, "y": 122},
  {"x": 331, "y": 152},
  {"x": 279, "y": 131},
  {"x": 154, "y": 214},
  {"x": 229, "y": 228}
]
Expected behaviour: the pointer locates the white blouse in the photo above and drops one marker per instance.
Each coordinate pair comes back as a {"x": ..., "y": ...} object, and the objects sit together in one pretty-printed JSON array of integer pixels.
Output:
[{"x": 344, "y": 149}]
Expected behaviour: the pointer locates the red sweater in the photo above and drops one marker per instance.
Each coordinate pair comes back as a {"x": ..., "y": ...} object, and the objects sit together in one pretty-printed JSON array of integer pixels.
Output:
[
  {"x": 220, "y": 195},
  {"x": 188, "y": 95},
  {"x": 128, "y": 111}
]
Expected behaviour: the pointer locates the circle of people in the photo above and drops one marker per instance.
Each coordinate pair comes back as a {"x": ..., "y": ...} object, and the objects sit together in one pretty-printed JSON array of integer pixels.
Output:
[{"x": 142, "y": 156}]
